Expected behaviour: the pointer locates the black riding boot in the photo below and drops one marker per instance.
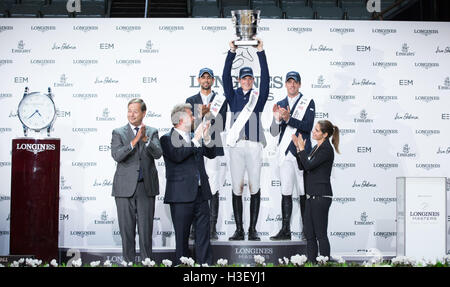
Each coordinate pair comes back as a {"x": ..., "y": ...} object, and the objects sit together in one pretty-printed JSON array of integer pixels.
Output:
[
  {"x": 214, "y": 208},
  {"x": 286, "y": 212},
  {"x": 255, "y": 201},
  {"x": 237, "y": 211}
]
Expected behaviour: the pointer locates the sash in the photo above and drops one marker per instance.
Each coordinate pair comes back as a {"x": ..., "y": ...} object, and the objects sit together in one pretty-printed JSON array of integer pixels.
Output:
[
  {"x": 298, "y": 114},
  {"x": 244, "y": 115},
  {"x": 217, "y": 104}
]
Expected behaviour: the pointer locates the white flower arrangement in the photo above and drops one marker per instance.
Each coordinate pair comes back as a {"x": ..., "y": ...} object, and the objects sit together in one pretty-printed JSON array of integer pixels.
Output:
[
  {"x": 54, "y": 263},
  {"x": 322, "y": 259},
  {"x": 95, "y": 263},
  {"x": 107, "y": 263},
  {"x": 284, "y": 261},
  {"x": 167, "y": 263},
  {"x": 148, "y": 262},
  {"x": 403, "y": 260},
  {"x": 77, "y": 263},
  {"x": 32, "y": 262},
  {"x": 298, "y": 260},
  {"x": 187, "y": 261},
  {"x": 339, "y": 259},
  {"x": 222, "y": 262},
  {"x": 259, "y": 260}
]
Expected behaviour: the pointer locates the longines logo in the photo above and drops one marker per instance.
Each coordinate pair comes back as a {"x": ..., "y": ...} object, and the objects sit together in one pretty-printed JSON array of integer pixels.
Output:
[
  {"x": 384, "y": 32},
  {"x": 425, "y": 32},
  {"x": 321, "y": 83},
  {"x": 344, "y": 132},
  {"x": 405, "y": 51},
  {"x": 85, "y": 29},
  {"x": 385, "y": 200},
  {"x": 43, "y": 29},
  {"x": 83, "y": 199},
  {"x": 63, "y": 46},
  {"x": 428, "y": 166},
  {"x": 342, "y": 98},
  {"x": 82, "y": 234},
  {"x": 42, "y": 62},
  {"x": 385, "y": 166},
  {"x": 128, "y": 28},
  {"x": 129, "y": 62},
  {"x": 5, "y": 198},
  {"x": 424, "y": 216},
  {"x": 85, "y": 96},
  {"x": 36, "y": 148},
  {"x": 342, "y": 234},
  {"x": 385, "y": 99},
  {"x": 165, "y": 233},
  {"x": 4, "y": 233},
  {"x": 105, "y": 81},
  {"x": 363, "y": 82},
  {"x": 384, "y": 234},
  {"x": 85, "y": 62},
  {"x": 63, "y": 83},
  {"x": 342, "y": 64},
  {"x": 5, "y": 62},
  {"x": 342, "y": 31},
  {"x": 299, "y": 30},
  {"x": 363, "y": 118},
  {"x": 320, "y": 48},
  {"x": 84, "y": 164},
  {"x": 344, "y": 200},
  {"x": 6, "y": 28},
  {"x": 163, "y": 130},
  {"x": 344, "y": 165},
  {"x": 127, "y": 96},
  {"x": 21, "y": 48},
  {"x": 253, "y": 251},
  {"x": 406, "y": 152},
  {"x": 104, "y": 219},
  {"x": 363, "y": 184},
  {"x": 63, "y": 185},
  {"x": 405, "y": 116},
  {"x": 426, "y": 99},
  {"x": 214, "y": 28},
  {"x": 171, "y": 28},
  {"x": 428, "y": 132},
  {"x": 384, "y": 65},
  {"x": 105, "y": 116},
  {"x": 363, "y": 220},
  {"x": 426, "y": 66},
  {"x": 446, "y": 85},
  {"x": 443, "y": 150},
  {"x": 263, "y": 29},
  {"x": 148, "y": 48},
  {"x": 385, "y": 132}
]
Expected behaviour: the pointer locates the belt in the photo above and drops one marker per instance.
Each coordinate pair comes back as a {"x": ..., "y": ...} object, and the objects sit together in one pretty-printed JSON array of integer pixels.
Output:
[{"x": 317, "y": 196}]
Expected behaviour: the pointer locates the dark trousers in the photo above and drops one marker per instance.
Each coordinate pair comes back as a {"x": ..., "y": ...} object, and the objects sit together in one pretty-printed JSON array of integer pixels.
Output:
[
  {"x": 138, "y": 208},
  {"x": 183, "y": 216},
  {"x": 316, "y": 224}
]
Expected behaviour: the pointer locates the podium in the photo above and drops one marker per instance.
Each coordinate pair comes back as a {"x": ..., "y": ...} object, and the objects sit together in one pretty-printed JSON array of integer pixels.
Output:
[
  {"x": 35, "y": 197},
  {"x": 421, "y": 217}
]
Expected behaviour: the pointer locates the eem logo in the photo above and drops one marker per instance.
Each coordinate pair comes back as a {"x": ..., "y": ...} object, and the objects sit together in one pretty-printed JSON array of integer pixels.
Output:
[
  {"x": 149, "y": 80},
  {"x": 362, "y": 48},
  {"x": 405, "y": 82},
  {"x": 363, "y": 149},
  {"x": 106, "y": 46}
]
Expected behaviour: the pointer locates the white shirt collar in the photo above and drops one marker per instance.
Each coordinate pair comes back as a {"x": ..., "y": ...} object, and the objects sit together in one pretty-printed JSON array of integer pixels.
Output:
[
  {"x": 133, "y": 127},
  {"x": 186, "y": 135},
  {"x": 206, "y": 99},
  {"x": 292, "y": 101}
]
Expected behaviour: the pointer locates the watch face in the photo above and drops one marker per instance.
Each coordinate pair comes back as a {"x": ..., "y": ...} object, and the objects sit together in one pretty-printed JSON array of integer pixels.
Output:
[{"x": 36, "y": 111}]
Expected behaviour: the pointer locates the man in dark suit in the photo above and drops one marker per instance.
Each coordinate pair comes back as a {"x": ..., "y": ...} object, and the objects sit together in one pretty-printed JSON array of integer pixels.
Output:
[
  {"x": 187, "y": 186},
  {"x": 135, "y": 147},
  {"x": 201, "y": 108}
]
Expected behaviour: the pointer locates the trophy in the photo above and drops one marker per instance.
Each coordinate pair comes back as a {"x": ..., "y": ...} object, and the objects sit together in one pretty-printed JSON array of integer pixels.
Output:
[{"x": 246, "y": 25}]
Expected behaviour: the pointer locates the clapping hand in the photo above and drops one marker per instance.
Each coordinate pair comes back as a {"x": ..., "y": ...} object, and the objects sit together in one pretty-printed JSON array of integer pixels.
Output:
[
  {"x": 276, "y": 113},
  {"x": 285, "y": 113},
  {"x": 299, "y": 142}
]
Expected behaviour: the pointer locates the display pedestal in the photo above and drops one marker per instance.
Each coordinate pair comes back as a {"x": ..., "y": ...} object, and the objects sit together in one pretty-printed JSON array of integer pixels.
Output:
[
  {"x": 421, "y": 217},
  {"x": 35, "y": 197}
]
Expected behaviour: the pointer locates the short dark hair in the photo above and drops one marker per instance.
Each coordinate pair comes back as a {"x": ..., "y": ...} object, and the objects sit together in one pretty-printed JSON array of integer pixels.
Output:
[{"x": 139, "y": 101}]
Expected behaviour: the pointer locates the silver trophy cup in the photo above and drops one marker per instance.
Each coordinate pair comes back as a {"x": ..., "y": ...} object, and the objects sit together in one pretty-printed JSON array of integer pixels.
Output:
[{"x": 246, "y": 25}]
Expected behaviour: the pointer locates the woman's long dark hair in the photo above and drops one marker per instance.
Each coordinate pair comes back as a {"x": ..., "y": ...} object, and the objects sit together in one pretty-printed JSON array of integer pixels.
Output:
[{"x": 332, "y": 131}]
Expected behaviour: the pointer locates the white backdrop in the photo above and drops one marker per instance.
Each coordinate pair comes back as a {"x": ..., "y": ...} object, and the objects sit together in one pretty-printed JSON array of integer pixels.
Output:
[{"x": 385, "y": 84}]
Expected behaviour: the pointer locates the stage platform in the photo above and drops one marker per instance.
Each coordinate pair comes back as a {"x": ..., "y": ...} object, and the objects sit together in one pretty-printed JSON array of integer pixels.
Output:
[{"x": 236, "y": 252}]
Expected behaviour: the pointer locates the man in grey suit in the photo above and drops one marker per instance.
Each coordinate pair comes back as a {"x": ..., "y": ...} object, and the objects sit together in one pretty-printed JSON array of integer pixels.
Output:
[{"x": 135, "y": 147}]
